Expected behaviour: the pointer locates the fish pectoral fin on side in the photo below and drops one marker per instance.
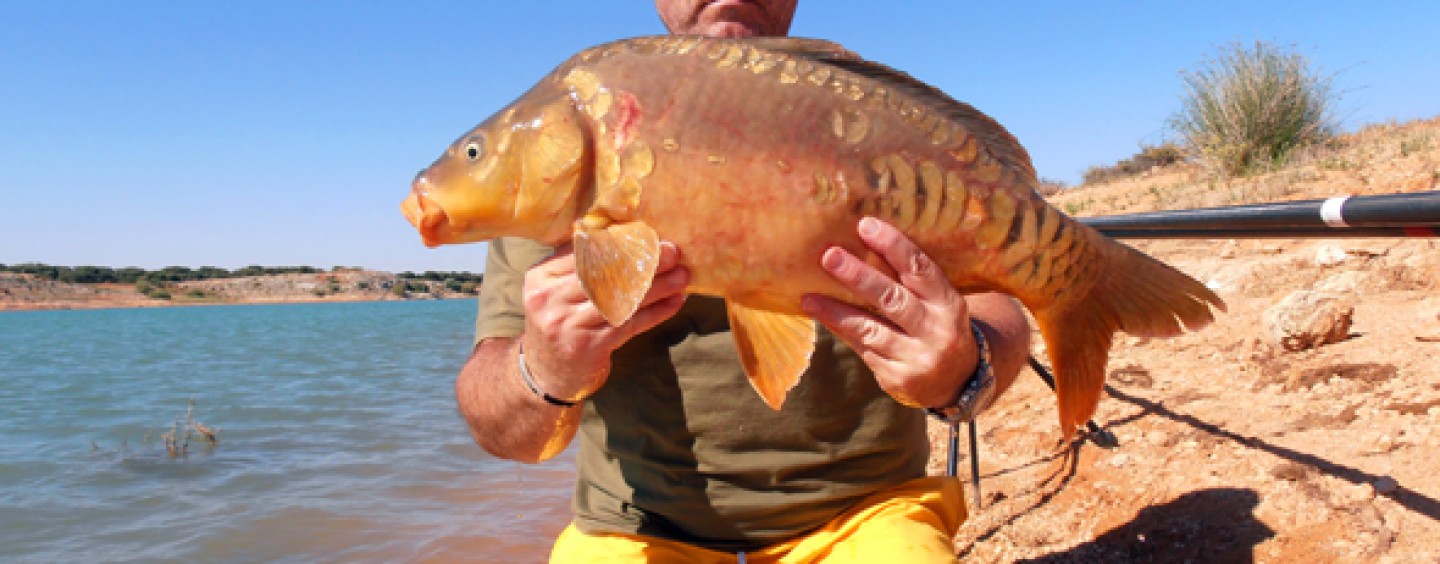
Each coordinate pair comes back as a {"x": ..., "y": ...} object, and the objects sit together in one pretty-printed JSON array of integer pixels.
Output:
[
  {"x": 616, "y": 265},
  {"x": 774, "y": 348}
]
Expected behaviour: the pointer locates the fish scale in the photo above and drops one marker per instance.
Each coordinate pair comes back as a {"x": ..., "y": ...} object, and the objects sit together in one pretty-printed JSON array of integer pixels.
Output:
[{"x": 754, "y": 156}]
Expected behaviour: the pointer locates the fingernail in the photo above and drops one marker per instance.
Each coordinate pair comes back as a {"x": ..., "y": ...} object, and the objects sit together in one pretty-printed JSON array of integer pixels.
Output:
[
  {"x": 869, "y": 226},
  {"x": 832, "y": 259}
]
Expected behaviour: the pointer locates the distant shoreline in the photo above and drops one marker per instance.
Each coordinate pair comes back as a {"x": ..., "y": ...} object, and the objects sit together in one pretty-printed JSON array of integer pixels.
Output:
[
  {"x": 25, "y": 292},
  {"x": 92, "y": 305}
]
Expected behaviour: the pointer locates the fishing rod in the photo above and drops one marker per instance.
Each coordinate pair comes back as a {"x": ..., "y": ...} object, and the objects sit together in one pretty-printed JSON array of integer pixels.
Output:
[{"x": 1415, "y": 214}]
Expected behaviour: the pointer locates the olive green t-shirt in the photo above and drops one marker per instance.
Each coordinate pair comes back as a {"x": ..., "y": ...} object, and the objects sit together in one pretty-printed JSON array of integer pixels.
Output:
[{"x": 678, "y": 445}]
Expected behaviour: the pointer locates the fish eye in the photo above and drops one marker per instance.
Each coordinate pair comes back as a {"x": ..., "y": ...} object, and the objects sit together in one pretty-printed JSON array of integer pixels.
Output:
[{"x": 475, "y": 149}]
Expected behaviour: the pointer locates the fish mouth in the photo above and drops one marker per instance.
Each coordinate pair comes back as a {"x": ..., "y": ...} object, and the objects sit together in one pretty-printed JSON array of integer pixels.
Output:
[{"x": 425, "y": 215}]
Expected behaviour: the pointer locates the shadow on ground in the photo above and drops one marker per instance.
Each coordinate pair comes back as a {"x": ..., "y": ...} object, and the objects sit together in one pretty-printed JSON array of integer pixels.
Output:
[{"x": 1214, "y": 525}]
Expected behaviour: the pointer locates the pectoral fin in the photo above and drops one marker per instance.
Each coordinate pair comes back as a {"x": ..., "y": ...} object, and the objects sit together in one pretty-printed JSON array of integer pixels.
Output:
[
  {"x": 616, "y": 263},
  {"x": 774, "y": 348}
]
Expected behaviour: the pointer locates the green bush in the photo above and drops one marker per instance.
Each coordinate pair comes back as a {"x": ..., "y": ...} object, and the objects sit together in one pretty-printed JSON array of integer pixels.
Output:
[
  {"x": 152, "y": 289},
  {"x": 1245, "y": 110}
]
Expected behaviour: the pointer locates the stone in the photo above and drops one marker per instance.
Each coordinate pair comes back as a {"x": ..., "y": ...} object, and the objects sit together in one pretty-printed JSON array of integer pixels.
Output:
[
  {"x": 1307, "y": 319},
  {"x": 1342, "y": 283},
  {"x": 1330, "y": 255}
]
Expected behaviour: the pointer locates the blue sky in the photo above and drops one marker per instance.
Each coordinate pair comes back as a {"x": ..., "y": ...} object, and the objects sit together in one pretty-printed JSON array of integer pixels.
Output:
[{"x": 285, "y": 133}]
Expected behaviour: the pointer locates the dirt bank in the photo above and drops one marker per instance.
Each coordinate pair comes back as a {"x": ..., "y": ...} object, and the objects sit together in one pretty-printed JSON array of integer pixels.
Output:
[
  {"x": 1231, "y": 449},
  {"x": 22, "y": 292}
]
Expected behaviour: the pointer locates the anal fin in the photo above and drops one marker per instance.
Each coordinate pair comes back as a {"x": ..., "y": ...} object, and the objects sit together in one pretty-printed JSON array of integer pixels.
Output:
[
  {"x": 616, "y": 263},
  {"x": 775, "y": 348}
]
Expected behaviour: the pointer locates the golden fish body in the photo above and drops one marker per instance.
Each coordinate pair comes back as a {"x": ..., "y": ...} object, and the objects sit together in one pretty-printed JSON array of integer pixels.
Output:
[{"x": 753, "y": 157}]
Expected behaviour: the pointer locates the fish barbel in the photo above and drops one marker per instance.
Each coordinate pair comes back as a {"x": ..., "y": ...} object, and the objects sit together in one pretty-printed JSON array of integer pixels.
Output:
[{"x": 754, "y": 156}]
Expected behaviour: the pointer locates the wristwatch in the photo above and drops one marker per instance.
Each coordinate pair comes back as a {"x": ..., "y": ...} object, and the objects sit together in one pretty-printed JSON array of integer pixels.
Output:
[{"x": 978, "y": 390}]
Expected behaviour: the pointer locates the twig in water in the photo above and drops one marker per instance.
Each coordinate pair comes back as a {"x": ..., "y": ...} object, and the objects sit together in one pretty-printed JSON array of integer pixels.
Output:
[{"x": 206, "y": 431}]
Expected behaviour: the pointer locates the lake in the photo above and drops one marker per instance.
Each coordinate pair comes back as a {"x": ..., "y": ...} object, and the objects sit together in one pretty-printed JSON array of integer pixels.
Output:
[{"x": 338, "y": 439}]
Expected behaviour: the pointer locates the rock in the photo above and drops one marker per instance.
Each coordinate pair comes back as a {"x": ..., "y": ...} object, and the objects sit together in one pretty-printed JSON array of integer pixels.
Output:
[
  {"x": 1307, "y": 319},
  {"x": 1330, "y": 255},
  {"x": 1342, "y": 283},
  {"x": 1230, "y": 277}
]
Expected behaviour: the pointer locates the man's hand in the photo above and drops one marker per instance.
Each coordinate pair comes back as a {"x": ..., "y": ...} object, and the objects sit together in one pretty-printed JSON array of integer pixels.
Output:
[
  {"x": 919, "y": 345},
  {"x": 567, "y": 343}
]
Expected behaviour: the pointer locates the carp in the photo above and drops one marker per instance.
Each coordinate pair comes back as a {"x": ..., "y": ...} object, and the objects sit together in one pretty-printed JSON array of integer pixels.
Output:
[{"x": 755, "y": 155}]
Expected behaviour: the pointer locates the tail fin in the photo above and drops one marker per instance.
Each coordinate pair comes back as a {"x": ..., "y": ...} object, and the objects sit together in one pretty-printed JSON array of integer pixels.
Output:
[{"x": 1133, "y": 293}]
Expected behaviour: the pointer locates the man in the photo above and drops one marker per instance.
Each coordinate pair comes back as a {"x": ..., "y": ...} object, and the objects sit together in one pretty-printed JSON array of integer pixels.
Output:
[{"x": 679, "y": 459}]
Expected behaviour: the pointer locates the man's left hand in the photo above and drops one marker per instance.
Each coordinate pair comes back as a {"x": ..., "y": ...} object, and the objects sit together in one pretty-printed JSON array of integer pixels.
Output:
[{"x": 918, "y": 340}]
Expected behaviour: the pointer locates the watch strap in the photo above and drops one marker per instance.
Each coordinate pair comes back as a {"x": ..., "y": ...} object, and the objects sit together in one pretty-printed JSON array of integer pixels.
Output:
[{"x": 978, "y": 390}]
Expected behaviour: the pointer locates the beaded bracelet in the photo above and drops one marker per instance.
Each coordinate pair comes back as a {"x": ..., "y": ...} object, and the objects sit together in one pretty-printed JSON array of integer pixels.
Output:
[{"x": 530, "y": 381}]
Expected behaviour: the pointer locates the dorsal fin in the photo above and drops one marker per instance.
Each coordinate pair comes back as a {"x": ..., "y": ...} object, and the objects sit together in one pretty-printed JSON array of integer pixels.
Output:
[
  {"x": 1001, "y": 144},
  {"x": 809, "y": 48},
  {"x": 997, "y": 141}
]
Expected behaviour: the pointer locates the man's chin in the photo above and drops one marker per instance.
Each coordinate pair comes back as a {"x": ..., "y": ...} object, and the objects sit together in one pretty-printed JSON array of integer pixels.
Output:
[{"x": 730, "y": 29}]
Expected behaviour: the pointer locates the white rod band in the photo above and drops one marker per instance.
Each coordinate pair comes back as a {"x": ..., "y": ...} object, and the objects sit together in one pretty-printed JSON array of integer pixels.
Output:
[{"x": 1330, "y": 211}]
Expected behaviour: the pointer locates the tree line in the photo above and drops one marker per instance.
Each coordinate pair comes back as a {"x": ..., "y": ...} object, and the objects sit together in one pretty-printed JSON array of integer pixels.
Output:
[{"x": 131, "y": 275}]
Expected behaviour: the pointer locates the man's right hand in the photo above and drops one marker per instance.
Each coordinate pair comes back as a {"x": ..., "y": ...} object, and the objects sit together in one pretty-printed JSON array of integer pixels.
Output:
[{"x": 567, "y": 343}]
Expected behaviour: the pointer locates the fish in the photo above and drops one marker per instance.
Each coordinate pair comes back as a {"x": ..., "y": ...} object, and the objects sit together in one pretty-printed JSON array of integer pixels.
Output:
[{"x": 753, "y": 156}]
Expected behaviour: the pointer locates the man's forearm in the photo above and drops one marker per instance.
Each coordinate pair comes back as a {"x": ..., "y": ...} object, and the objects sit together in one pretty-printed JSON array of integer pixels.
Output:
[
  {"x": 1006, "y": 331},
  {"x": 506, "y": 419}
]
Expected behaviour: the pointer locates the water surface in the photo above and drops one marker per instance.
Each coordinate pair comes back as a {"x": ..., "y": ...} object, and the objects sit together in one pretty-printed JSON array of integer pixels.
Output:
[{"x": 338, "y": 439}]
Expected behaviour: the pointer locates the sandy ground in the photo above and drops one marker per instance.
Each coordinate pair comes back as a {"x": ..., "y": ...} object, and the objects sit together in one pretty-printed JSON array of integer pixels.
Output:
[{"x": 1230, "y": 448}]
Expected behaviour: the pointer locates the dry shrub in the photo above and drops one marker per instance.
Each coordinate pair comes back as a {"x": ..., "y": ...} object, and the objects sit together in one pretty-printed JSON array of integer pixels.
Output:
[
  {"x": 1048, "y": 187},
  {"x": 1147, "y": 159},
  {"x": 1246, "y": 109}
]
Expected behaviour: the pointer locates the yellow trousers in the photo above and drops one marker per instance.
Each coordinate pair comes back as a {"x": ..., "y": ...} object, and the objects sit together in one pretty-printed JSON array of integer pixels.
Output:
[{"x": 913, "y": 522}]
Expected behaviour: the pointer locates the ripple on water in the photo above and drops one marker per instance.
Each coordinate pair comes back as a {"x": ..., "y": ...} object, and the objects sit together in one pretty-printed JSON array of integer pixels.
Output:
[{"x": 338, "y": 439}]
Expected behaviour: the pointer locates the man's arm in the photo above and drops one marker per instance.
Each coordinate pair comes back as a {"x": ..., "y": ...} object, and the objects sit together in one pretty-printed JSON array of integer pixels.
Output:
[
  {"x": 1007, "y": 332},
  {"x": 567, "y": 346},
  {"x": 505, "y": 418}
]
